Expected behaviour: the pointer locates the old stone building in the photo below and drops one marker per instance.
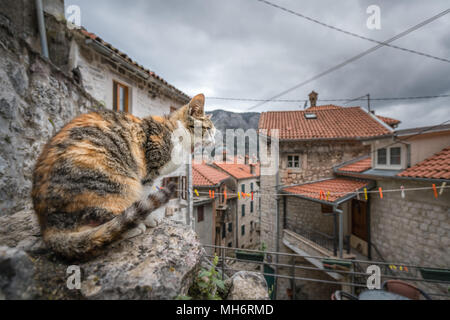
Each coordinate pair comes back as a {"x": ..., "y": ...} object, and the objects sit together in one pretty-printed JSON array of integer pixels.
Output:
[{"x": 246, "y": 177}]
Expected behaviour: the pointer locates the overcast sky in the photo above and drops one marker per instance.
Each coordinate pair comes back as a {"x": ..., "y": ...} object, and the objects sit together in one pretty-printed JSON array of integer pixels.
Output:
[{"x": 246, "y": 49}]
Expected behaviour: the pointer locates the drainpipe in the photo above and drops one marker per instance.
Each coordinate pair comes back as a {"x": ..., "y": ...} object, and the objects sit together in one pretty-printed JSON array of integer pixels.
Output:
[
  {"x": 41, "y": 26},
  {"x": 339, "y": 212}
]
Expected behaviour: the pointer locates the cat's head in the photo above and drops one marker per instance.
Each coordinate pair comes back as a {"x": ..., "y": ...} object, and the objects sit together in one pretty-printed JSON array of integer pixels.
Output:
[{"x": 192, "y": 115}]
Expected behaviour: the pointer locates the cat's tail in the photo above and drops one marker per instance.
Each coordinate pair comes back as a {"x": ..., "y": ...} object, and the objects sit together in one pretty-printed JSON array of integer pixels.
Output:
[{"x": 84, "y": 244}]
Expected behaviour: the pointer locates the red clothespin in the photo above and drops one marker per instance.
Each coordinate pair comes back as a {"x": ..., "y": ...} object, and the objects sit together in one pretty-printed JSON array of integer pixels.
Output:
[
  {"x": 252, "y": 195},
  {"x": 381, "y": 192},
  {"x": 435, "y": 191},
  {"x": 225, "y": 194}
]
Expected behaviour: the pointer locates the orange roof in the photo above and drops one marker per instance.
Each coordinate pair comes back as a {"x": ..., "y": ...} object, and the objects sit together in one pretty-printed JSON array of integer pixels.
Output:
[
  {"x": 389, "y": 121},
  {"x": 204, "y": 175},
  {"x": 331, "y": 122},
  {"x": 342, "y": 186},
  {"x": 94, "y": 37},
  {"x": 434, "y": 167},
  {"x": 238, "y": 170},
  {"x": 358, "y": 166}
]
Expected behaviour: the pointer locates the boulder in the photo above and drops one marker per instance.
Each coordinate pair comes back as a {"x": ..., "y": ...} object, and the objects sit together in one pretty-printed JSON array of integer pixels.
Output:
[
  {"x": 246, "y": 285},
  {"x": 160, "y": 263}
]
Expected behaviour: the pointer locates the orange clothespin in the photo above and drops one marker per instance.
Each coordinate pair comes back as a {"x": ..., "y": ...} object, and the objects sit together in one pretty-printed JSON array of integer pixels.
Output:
[
  {"x": 225, "y": 194},
  {"x": 435, "y": 191},
  {"x": 243, "y": 195},
  {"x": 213, "y": 194},
  {"x": 210, "y": 193},
  {"x": 196, "y": 192},
  {"x": 381, "y": 192},
  {"x": 320, "y": 195}
]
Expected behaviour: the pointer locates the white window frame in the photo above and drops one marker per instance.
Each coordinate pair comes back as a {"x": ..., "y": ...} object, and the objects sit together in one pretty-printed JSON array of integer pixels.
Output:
[
  {"x": 388, "y": 164},
  {"x": 299, "y": 161}
]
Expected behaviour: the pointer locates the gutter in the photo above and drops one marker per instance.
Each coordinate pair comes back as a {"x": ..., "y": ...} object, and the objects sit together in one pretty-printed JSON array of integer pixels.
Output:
[
  {"x": 41, "y": 27},
  {"x": 375, "y": 177}
]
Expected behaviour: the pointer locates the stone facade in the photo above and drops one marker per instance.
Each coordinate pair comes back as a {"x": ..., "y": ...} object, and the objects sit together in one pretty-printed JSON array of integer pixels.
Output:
[
  {"x": 317, "y": 159},
  {"x": 250, "y": 238},
  {"x": 415, "y": 229}
]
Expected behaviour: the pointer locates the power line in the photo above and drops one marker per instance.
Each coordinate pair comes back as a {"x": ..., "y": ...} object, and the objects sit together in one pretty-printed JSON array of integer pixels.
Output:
[
  {"x": 362, "y": 98},
  {"x": 354, "y": 58},
  {"x": 349, "y": 32}
]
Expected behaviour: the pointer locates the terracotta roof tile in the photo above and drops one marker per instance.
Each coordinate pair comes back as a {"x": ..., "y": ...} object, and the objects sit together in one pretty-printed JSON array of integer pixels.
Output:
[
  {"x": 434, "y": 167},
  {"x": 342, "y": 186},
  {"x": 331, "y": 122},
  {"x": 204, "y": 175},
  {"x": 358, "y": 166},
  {"x": 238, "y": 170},
  {"x": 389, "y": 121}
]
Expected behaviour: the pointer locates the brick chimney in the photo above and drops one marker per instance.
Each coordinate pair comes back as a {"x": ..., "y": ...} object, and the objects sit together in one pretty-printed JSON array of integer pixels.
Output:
[{"x": 313, "y": 99}]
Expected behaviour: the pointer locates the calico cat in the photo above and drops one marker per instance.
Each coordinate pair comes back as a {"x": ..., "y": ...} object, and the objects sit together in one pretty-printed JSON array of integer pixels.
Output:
[{"x": 88, "y": 183}]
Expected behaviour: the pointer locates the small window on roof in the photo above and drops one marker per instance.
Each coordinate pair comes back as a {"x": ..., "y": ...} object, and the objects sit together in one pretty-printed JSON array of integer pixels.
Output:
[{"x": 310, "y": 116}]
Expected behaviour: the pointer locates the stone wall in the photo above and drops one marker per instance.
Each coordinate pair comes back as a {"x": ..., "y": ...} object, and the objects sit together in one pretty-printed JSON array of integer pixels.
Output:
[
  {"x": 250, "y": 238},
  {"x": 317, "y": 159},
  {"x": 36, "y": 100},
  {"x": 268, "y": 211},
  {"x": 414, "y": 230}
]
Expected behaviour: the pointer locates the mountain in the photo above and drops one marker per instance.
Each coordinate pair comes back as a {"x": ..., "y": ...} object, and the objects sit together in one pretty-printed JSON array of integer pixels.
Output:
[{"x": 232, "y": 120}]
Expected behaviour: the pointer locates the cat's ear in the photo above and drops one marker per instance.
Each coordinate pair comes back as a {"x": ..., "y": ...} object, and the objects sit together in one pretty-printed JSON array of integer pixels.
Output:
[{"x": 197, "y": 105}]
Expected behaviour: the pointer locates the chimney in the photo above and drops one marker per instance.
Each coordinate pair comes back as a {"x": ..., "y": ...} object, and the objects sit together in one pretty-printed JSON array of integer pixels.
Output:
[
  {"x": 224, "y": 155},
  {"x": 252, "y": 168},
  {"x": 313, "y": 99},
  {"x": 246, "y": 160}
]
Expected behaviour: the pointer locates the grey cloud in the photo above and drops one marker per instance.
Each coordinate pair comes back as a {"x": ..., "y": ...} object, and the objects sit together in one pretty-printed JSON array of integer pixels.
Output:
[{"x": 242, "y": 48}]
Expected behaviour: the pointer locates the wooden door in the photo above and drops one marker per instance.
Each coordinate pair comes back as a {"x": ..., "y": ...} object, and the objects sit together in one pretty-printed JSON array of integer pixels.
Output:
[{"x": 359, "y": 219}]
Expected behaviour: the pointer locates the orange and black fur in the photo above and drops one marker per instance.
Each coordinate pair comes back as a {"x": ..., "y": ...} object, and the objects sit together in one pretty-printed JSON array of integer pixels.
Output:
[{"x": 88, "y": 183}]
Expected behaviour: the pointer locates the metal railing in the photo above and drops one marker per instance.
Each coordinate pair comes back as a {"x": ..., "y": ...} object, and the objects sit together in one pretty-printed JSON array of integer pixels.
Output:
[{"x": 352, "y": 277}]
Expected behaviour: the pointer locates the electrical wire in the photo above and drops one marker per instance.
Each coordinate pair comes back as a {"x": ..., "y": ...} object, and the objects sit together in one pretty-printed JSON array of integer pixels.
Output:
[{"x": 354, "y": 58}]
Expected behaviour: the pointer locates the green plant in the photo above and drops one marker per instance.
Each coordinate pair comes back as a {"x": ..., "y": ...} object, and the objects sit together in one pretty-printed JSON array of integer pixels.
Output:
[
  {"x": 207, "y": 285},
  {"x": 263, "y": 246}
]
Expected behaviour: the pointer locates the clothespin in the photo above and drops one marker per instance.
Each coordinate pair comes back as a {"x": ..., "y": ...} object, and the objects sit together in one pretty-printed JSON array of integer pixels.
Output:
[
  {"x": 225, "y": 194},
  {"x": 435, "y": 191},
  {"x": 243, "y": 195},
  {"x": 365, "y": 193},
  {"x": 401, "y": 268},
  {"x": 239, "y": 195},
  {"x": 403, "y": 192},
  {"x": 154, "y": 188},
  {"x": 381, "y": 192},
  {"x": 320, "y": 194},
  {"x": 158, "y": 188},
  {"x": 406, "y": 269},
  {"x": 252, "y": 195},
  {"x": 210, "y": 193},
  {"x": 328, "y": 195},
  {"x": 196, "y": 192},
  {"x": 213, "y": 194},
  {"x": 441, "y": 191}
]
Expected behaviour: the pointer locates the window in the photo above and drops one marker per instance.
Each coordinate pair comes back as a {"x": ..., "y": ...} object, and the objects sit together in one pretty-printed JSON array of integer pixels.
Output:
[
  {"x": 243, "y": 210},
  {"x": 200, "y": 214},
  {"x": 251, "y": 206},
  {"x": 293, "y": 162},
  {"x": 166, "y": 182},
  {"x": 230, "y": 227},
  {"x": 230, "y": 244},
  {"x": 224, "y": 231},
  {"x": 121, "y": 95},
  {"x": 243, "y": 229},
  {"x": 395, "y": 155},
  {"x": 251, "y": 187},
  {"x": 382, "y": 156},
  {"x": 243, "y": 188},
  {"x": 389, "y": 156}
]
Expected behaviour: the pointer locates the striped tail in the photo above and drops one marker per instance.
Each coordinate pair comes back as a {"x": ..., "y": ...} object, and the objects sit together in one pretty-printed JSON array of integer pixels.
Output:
[{"x": 85, "y": 244}]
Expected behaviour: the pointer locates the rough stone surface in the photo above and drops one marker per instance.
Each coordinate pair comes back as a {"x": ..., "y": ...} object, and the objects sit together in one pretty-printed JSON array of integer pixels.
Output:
[
  {"x": 16, "y": 274},
  {"x": 246, "y": 285},
  {"x": 161, "y": 263}
]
